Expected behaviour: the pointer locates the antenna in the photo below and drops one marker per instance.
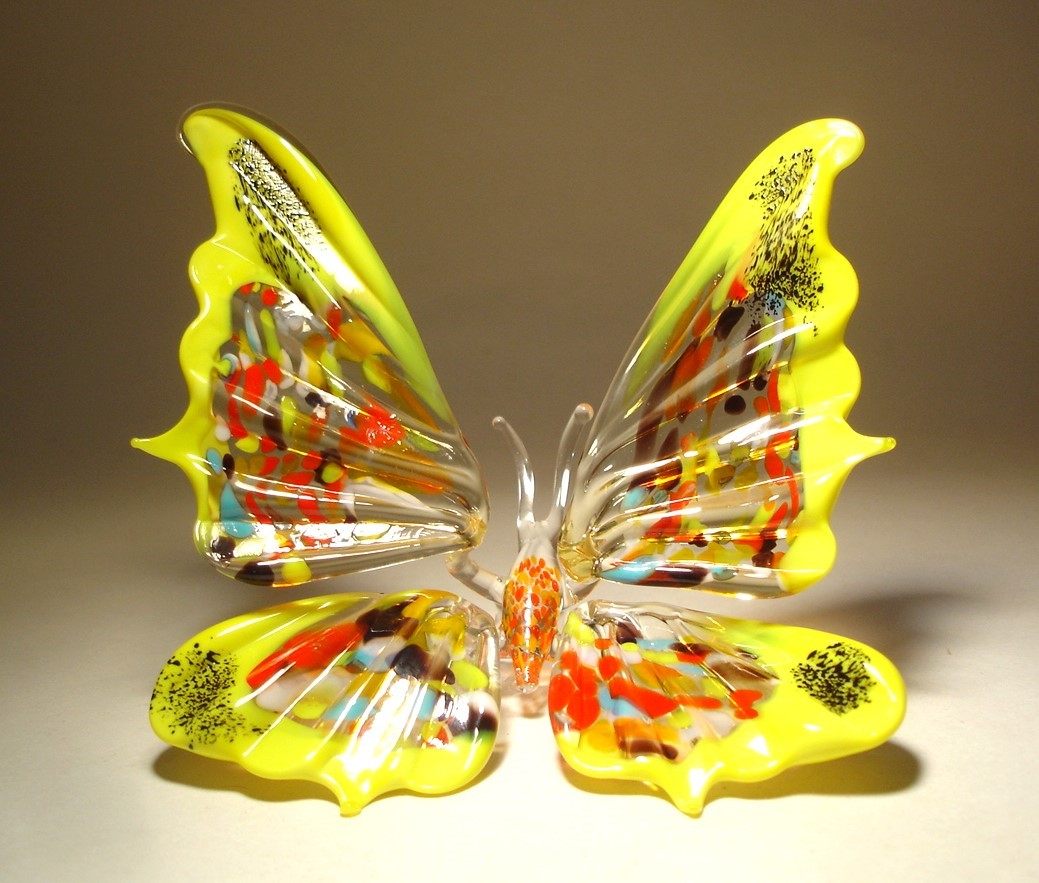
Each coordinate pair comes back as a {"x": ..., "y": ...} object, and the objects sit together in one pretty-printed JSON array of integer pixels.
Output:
[
  {"x": 524, "y": 474},
  {"x": 566, "y": 459}
]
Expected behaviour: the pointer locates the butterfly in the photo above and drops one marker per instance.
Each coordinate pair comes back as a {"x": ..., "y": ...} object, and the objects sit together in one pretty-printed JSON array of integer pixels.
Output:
[{"x": 318, "y": 442}]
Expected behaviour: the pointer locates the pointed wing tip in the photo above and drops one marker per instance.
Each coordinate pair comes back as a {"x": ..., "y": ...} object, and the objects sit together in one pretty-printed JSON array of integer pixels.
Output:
[
  {"x": 202, "y": 123},
  {"x": 191, "y": 122},
  {"x": 841, "y": 139},
  {"x": 160, "y": 446},
  {"x": 873, "y": 446},
  {"x": 844, "y": 128},
  {"x": 201, "y": 114},
  {"x": 148, "y": 445}
]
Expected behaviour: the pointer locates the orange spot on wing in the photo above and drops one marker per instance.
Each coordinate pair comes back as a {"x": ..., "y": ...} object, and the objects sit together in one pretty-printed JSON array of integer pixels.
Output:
[
  {"x": 334, "y": 318},
  {"x": 273, "y": 370},
  {"x": 307, "y": 650},
  {"x": 608, "y": 667},
  {"x": 774, "y": 404},
  {"x": 648, "y": 701},
  {"x": 704, "y": 702},
  {"x": 743, "y": 701},
  {"x": 308, "y": 505}
]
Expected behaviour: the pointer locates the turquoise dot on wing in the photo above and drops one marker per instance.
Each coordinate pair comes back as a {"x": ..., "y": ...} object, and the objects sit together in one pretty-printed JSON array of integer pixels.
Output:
[
  {"x": 366, "y": 658},
  {"x": 378, "y": 654},
  {"x": 634, "y": 572},
  {"x": 623, "y": 708},
  {"x": 635, "y": 498},
  {"x": 252, "y": 333},
  {"x": 215, "y": 461},
  {"x": 427, "y": 705},
  {"x": 350, "y": 708},
  {"x": 233, "y": 518},
  {"x": 656, "y": 644}
]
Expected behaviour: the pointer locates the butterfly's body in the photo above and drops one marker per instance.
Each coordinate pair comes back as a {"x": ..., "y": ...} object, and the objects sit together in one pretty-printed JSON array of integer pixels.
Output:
[
  {"x": 532, "y": 598},
  {"x": 537, "y": 591},
  {"x": 530, "y": 609},
  {"x": 319, "y": 443}
]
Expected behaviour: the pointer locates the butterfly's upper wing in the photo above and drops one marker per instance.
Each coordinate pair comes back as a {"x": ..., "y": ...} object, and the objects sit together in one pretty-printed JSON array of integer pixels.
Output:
[
  {"x": 317, "y": 437},
  {"x": 721, "y": 445}
]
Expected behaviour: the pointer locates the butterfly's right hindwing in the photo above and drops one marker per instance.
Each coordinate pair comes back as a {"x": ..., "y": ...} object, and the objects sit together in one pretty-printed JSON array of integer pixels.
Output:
[
  {"x": 317, "y": 437},
  {"x": 684, "y": 700}
]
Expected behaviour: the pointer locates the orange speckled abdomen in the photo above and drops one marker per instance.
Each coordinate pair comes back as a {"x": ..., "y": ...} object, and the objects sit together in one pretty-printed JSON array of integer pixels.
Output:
[{"x": 530, "y": 611}]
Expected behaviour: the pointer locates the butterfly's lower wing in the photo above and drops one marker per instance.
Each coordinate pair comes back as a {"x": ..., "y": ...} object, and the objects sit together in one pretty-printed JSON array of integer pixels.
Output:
[
  {"x": 364, "y": 694},
  {"x": 683, "y": 700},
  {"x": 718, "y": 452},
  {"x": 317, "y": 437}
]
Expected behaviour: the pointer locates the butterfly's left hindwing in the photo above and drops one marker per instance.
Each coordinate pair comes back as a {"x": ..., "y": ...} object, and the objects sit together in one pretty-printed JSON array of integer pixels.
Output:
[
  {"x": 363, "y": 694},
  {"x": 718, "y": 452},
  {"x": 317, "y": 437},
  {"x": 683, "y": 700}
]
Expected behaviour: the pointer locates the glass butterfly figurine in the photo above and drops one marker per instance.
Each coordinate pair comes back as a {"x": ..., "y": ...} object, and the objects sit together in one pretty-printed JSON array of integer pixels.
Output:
[{"x": 319, "y": 443}]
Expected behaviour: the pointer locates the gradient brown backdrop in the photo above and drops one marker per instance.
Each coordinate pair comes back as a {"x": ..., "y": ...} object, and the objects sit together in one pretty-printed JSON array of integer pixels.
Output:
[{"x": 531, "y": 174}]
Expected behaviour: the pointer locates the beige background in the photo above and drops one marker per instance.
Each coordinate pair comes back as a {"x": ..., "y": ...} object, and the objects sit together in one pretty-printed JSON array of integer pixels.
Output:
[{"x": 531, "y": 174}]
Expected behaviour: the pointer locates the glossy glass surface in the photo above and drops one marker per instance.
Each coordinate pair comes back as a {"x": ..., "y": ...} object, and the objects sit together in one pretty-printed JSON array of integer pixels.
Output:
[
  {"x": 318, "y": 442},
  {"x": 684, "y": 700}
]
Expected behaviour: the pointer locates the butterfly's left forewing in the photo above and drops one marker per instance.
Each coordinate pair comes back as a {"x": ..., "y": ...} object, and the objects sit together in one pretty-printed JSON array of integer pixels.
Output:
[
  {"x": 317, "y": 437},
  {"x": 318, "y": 442},
  {"x": 363, "y": 694}
]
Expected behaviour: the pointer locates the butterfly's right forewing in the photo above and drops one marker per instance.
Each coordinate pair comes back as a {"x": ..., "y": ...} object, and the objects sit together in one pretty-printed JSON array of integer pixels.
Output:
[{"x": 720, "y": 447}]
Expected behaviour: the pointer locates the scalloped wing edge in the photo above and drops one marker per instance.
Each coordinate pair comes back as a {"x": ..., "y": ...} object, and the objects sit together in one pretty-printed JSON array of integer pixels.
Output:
[
  {"x": 217, "y": 269},
  {"x": 827, "y": 372}
]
